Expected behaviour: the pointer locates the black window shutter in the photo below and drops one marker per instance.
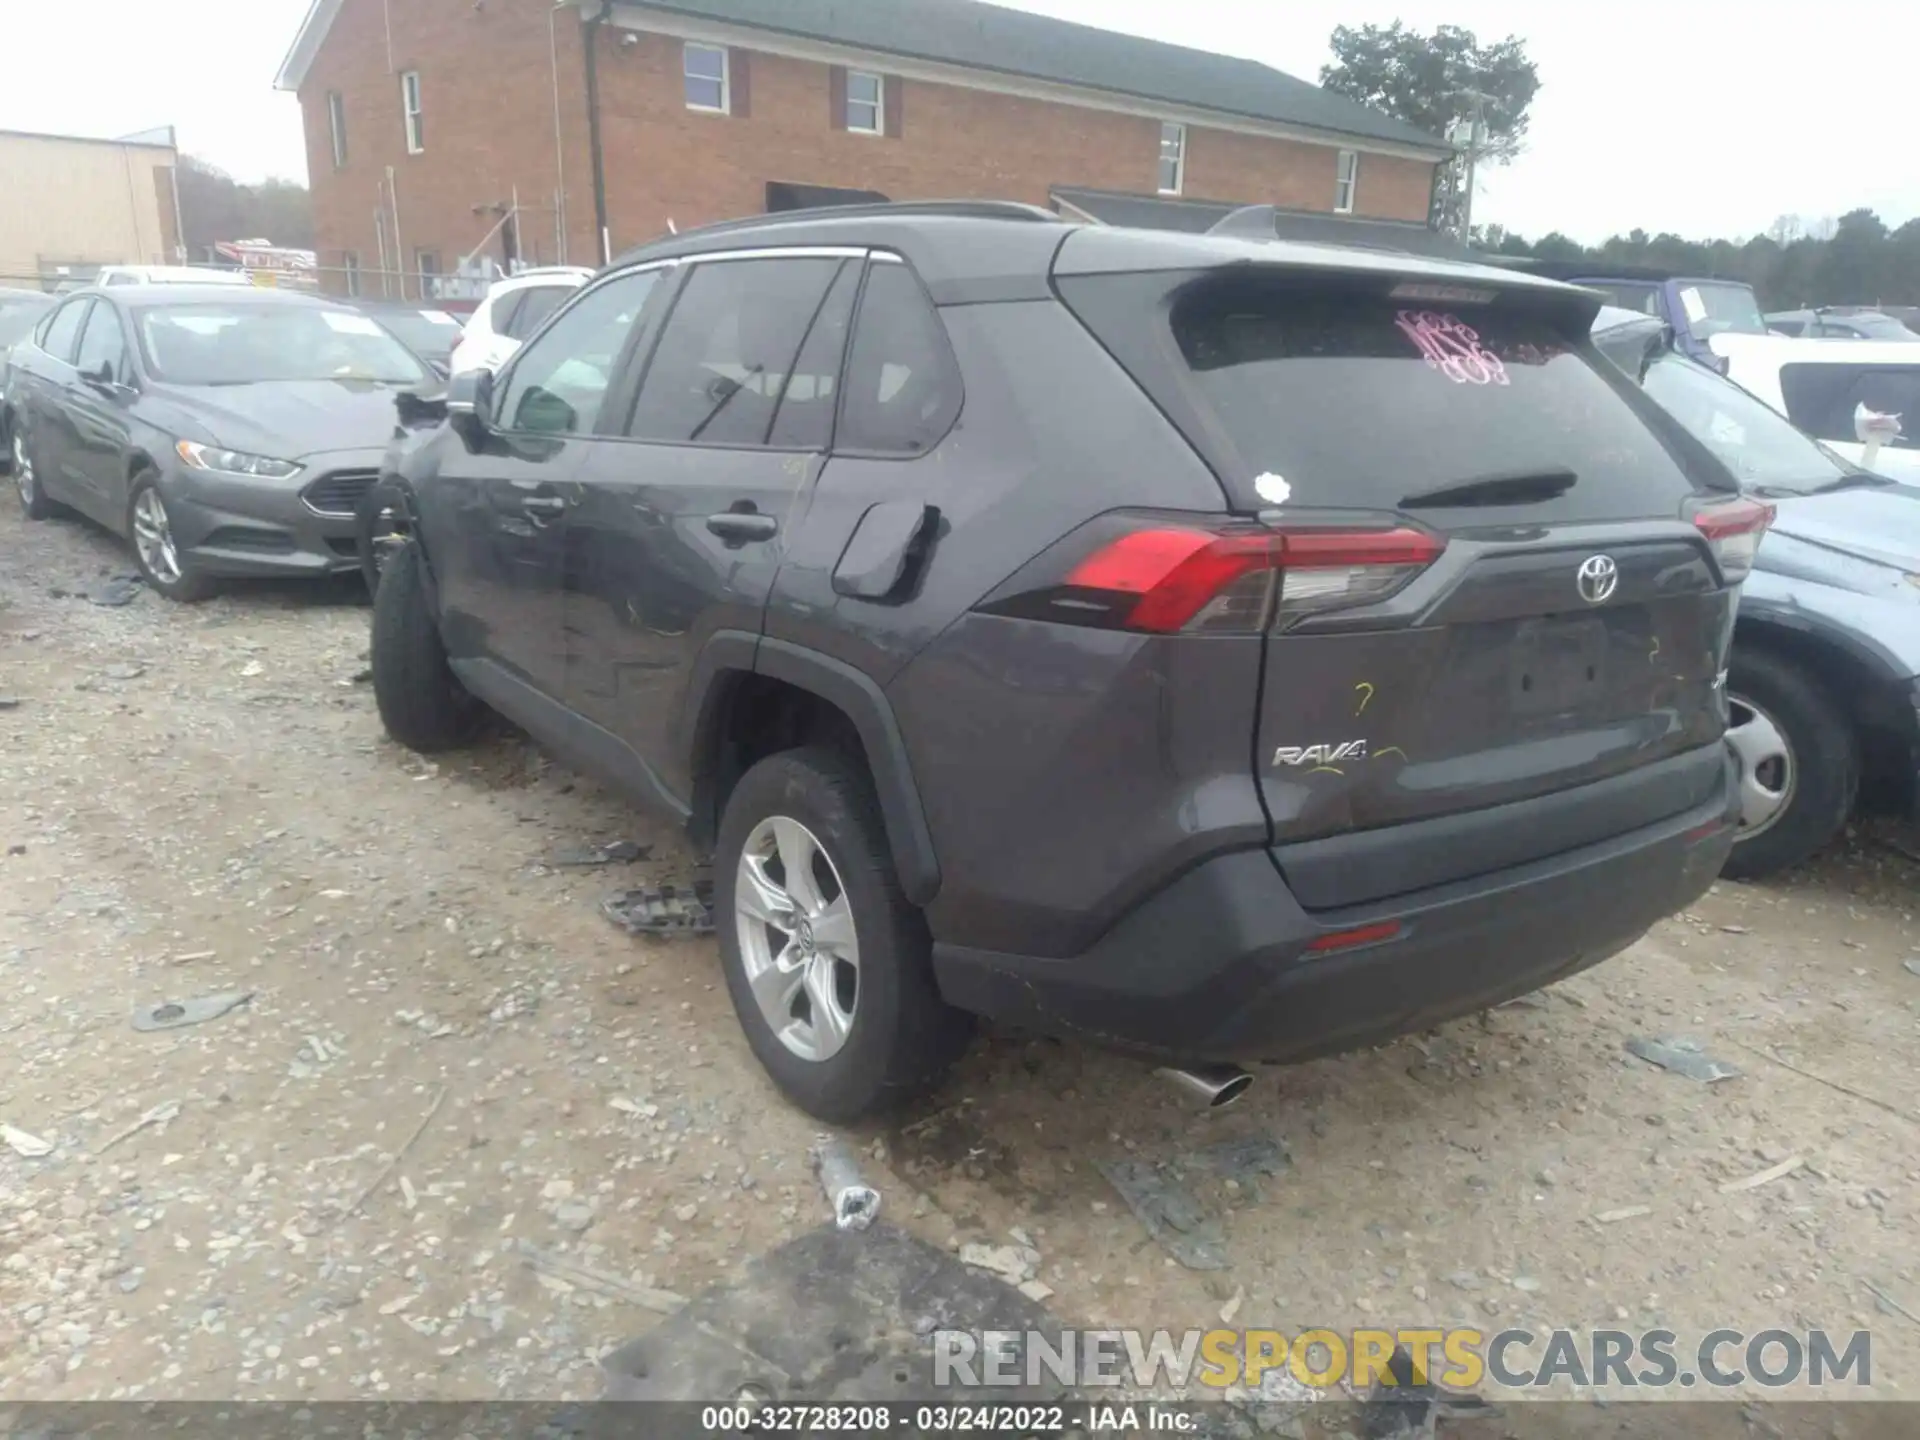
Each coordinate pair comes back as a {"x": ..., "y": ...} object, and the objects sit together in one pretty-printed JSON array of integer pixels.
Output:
[
  {"x": 837, "y": 96},
  {"x": 894, "y": 89},
  {"x": 739, "y": 83}
]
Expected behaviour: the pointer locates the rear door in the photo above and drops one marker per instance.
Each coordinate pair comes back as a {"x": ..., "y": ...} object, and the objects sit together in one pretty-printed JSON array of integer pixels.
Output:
[
  {"x": 1480, "y": 572},
  {"x": 97, "y": 402},
  {"x": 45, "y": 375},
  {"x": 683, "y": 523}
]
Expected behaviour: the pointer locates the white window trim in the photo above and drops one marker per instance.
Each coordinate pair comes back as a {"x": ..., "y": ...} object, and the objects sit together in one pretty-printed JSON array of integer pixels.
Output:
[
  {"x": 1180, "y": 161},
  {"x": 725, "y": 53},
  {"x": 337, "y": 127},
  {"x": 879, "y": 104},
  {"x": 412, "y": 112},
  {"x": 1346, "y": 177}
]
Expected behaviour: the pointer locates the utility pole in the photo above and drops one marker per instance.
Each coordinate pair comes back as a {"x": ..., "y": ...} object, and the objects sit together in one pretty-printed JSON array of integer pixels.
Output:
[{"x": 1470, "y": 134}]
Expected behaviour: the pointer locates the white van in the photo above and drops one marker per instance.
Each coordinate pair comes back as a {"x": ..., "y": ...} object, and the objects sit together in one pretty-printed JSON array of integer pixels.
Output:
[{"x": 168, "y": 275}]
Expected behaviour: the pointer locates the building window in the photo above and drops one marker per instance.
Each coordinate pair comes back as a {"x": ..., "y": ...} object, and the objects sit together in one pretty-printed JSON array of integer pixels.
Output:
[
  {"x": 427, "y": 262},
  {"x": 866, "y": 103},
  {"x": 350, "y": 265},
  {"x": 337, "y": 124},
  {"x": 1173, "y": 158},
  {"x": 1345, "y": 181},
  {"x": 410, "y": 107},
  {"x": 706, "y": 78}
]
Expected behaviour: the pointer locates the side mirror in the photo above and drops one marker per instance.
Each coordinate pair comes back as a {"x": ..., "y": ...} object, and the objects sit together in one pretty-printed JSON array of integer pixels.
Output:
[
  {"x": 470, "y": 405},
  {"x": 101, "y": 379}
]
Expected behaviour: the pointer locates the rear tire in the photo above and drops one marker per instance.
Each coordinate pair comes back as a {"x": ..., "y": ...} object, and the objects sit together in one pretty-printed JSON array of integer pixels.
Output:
[
  {"x": 902, "y": 1036},
  {"x": 421, "y": 703},
  {"x": 33, "y": 495},
  {"x": 1813, "y": 769}
]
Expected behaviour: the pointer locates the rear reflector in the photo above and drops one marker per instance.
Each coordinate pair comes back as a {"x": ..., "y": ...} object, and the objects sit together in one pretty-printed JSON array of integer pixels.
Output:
[
  {"x": 1362, "y": 935},
  {"x": 1242, "y": 581},
  {"x": 1734, "y": 530}
]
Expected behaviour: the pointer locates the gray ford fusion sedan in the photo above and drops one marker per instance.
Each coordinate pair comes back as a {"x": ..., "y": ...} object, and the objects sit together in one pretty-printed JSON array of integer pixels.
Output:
[{"x": 224, "y": 431}]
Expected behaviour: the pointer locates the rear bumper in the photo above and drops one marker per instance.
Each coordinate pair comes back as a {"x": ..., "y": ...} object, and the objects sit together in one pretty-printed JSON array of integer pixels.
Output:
[{"x": 1218, "y": 966}]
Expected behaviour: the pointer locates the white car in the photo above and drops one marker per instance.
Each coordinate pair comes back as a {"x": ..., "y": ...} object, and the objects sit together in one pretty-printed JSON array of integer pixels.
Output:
[
  {"x": 513, "y": 310},
  {"x": 168, "y": 275},
  {"x": 1830, "y": 390}
]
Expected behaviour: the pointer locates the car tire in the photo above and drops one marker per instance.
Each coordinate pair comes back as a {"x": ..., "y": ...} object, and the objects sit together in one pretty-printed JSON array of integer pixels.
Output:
[
  {"x": 421, "y": 703},
  {"x": 902, "y": 1036},
  {"x": 164, "y": 570},
  {"x": 1796, "y": 747},
  {"x": 379, "y": 538},
  {"x": 33, "y": 494}
]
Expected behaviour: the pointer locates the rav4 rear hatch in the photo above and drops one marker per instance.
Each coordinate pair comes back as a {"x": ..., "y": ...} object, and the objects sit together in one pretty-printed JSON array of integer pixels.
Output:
[{"x": 1497, "y": 586}]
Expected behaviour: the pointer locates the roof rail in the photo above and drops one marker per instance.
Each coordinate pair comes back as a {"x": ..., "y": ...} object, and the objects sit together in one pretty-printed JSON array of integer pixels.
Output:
[{"x": 963, "y": 209}]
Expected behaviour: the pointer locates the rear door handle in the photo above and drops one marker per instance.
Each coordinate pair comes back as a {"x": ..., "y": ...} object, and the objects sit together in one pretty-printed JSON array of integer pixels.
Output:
[
  {"x": 544, "y": 507},
  {"x": 738, "y": 525}
]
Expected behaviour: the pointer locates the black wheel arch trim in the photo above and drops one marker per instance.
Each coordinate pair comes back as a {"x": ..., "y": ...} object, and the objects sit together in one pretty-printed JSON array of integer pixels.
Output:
[
  {"x": 731, "y": 654},
  {"x": 402, "y": 491}
]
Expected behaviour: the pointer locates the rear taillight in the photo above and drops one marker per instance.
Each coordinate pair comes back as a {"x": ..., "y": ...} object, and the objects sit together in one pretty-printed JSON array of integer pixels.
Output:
[
  {"x": 1167, "y": 579},
  {"x": 1735, "y": 528}
]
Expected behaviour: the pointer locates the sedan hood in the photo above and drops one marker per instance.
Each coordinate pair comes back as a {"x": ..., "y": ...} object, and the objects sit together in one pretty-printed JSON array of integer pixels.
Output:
[
  {"x": 285, "y": 419},
  {"x": 1881, "y": 524}
]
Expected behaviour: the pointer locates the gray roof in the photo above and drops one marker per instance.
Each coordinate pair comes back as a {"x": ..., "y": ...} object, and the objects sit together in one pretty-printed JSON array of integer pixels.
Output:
[{"x": 1014, "y": 42}]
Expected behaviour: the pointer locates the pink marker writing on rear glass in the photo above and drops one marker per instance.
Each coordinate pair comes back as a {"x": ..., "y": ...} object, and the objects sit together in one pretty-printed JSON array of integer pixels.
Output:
[{"x": 1452, "y": 347}]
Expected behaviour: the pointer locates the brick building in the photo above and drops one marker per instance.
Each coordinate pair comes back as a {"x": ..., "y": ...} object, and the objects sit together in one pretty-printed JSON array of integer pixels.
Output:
[{"x": 543, "y": 132}]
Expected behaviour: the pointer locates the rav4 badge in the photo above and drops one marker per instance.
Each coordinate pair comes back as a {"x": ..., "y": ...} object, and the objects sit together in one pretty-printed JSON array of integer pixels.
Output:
[{"x": 1320, "y": 754}]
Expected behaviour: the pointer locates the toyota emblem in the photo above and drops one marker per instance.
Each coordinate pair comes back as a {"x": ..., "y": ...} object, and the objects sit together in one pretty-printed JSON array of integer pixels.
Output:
[{"x": 1599, "y": 578}]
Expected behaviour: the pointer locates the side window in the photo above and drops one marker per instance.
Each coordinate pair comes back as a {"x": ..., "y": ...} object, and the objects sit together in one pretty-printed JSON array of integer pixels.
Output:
[
  {"x": 804, "y": 419},
  {"x": 903, "y": 383},
  {"x": 103, "y": 344},
  {"x": 63, "y": 330},
  {"x": 728, "y": 350},
  {"x": 504, "y": 313},
  {"x": 1891, "y": 392},
  {"x": 556, "y": 384},
  {"x": 539, "y": 302}
]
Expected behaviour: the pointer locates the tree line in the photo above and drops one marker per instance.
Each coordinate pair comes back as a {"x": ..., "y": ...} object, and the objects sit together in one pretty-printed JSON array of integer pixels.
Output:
[
  {"x": 1855, "y": 260},
  {"x": 1478, "y": 95}
]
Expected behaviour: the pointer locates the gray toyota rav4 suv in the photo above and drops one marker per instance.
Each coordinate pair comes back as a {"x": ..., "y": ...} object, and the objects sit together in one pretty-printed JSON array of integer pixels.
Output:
[{"x": 1220, "y": 649}]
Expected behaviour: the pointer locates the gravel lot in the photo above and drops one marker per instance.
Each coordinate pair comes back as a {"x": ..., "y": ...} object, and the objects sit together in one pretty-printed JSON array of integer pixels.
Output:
[{"x": 196, "y": 801}]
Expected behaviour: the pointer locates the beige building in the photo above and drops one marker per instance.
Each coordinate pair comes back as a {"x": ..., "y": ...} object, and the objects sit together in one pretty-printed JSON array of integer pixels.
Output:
[{"x": 73, "y": 204}]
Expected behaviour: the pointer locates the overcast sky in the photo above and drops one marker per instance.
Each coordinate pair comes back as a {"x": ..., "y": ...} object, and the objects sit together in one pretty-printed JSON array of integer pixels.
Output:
[{"x": 1738, "y": 117}]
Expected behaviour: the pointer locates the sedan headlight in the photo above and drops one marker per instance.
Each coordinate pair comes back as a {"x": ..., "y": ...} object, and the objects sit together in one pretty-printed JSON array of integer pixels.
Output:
[{"x": 233, "y": 462}]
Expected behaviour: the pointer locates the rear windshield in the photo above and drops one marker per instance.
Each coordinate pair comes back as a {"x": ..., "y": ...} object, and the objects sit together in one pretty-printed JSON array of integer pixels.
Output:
[{"x": 1330, "y": 399}]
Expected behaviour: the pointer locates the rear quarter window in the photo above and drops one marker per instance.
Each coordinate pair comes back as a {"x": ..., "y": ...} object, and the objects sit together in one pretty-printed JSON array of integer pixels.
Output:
[
  {"x": 1822, "y": 399},
  {"x": 1343, "y": 399}
]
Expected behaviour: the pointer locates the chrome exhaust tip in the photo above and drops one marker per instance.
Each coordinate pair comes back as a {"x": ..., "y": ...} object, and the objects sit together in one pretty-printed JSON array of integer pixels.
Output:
[{"x": 1215, "y": 1086}]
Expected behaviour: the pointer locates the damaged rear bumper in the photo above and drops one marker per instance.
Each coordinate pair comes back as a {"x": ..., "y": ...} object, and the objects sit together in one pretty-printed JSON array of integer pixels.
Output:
[{"x": 1225, "y": 965}]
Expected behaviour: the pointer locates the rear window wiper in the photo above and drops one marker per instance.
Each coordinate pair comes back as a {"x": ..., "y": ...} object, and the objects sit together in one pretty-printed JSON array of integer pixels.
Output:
[{"x": 1525, "y": 487}]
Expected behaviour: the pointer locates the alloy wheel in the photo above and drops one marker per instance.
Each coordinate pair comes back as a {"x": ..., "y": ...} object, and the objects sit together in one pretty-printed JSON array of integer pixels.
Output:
[
  {"x": 797, "y": 938},
  {"x": 153, "y": 537},
  {"x": 1768, "y": 774},
  {"x": 22, "y": 469}
]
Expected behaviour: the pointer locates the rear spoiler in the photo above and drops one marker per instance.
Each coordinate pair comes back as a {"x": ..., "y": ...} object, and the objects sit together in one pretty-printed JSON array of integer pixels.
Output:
[{"x": 1271, "y": 222}]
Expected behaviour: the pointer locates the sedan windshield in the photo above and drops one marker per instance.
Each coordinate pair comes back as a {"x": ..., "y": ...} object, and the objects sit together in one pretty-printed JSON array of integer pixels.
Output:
[
  {"x": 216, "y": 344},
  {"x": 1762, "y": 448},
  {"x": 428, "y": 333}
]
